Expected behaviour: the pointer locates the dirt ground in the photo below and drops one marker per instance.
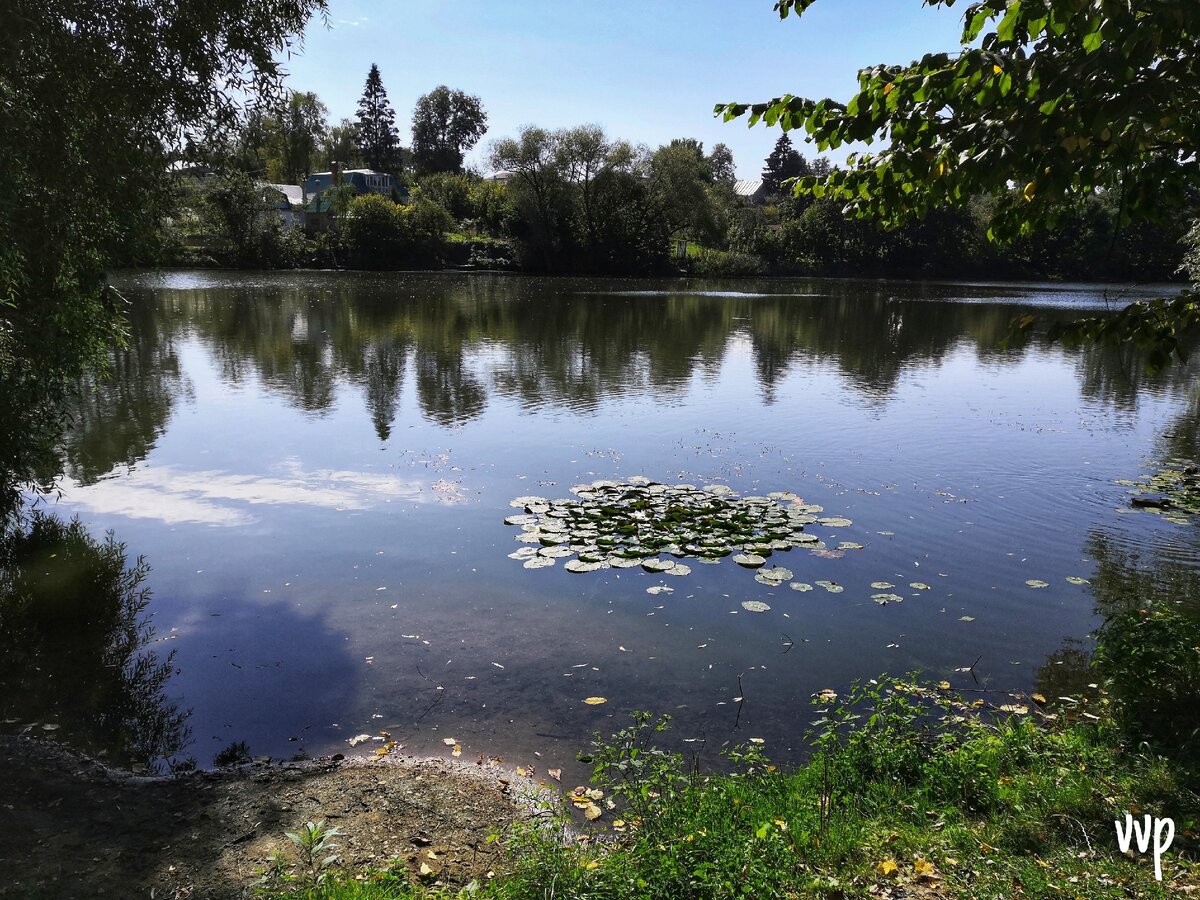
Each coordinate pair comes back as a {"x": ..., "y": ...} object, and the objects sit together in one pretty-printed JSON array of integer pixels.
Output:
[{"x": 73, "y": 828}]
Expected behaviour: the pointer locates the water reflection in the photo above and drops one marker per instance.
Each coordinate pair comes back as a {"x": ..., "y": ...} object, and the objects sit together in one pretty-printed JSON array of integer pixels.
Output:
[
  {"x": 328, "y": 423},
  {"x": 75, "y": 661},
  {"x": 568, "y": 343}
]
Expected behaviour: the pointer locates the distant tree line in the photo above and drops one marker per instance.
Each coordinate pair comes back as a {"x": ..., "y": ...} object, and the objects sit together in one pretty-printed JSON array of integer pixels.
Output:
[{"x": 577, "y": 200}]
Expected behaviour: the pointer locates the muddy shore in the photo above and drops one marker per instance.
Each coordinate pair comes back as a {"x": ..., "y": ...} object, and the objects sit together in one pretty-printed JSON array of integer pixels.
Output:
[{"x": 79, "y": 829}]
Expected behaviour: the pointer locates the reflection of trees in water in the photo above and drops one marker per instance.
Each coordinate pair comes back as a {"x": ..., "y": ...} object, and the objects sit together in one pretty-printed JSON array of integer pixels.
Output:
[
  {"x": 543, "y": 341},
  {"x": 117, "y": 419},
  {"x": 1129, "y": 582},
  {"x": 73, "y": 638}
]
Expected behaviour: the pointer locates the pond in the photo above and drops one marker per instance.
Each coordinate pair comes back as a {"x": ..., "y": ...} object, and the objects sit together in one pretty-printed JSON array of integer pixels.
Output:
[{"x": 318, "y": 468}]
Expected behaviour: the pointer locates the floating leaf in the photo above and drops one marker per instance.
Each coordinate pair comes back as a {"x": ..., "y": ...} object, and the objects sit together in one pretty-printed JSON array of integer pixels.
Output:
[
  {"x": 885, "y": 599},
  {"x": 755, "y": 606},
  {"x": 749, "y": 560},
  {"x": 457, "y": 751},
  {"x": 660, "y": 589},
  {"x": 1037, "y": 583},
  {"x": 918, "y": 586},
  {"x": 358, "y": 739},
  {"x": 850, "y": 545},
  {"x": 595, "y": 701},
  {"x": 800, "y": 586},
  {"x": 966, "y": 618},
  {"x": 835, "y": 522},
  {"x": 1075, "y": 579},
  {"x": 541, "y": 562},
  {"x": 449, "y": 742},
  {"x": 882, "y": 585}
]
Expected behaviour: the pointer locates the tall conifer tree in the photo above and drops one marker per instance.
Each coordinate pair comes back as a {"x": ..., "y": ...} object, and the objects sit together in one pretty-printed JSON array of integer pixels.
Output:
[
  {"x": 783, "y": 163},
  {"x": 377, "y": 138}
]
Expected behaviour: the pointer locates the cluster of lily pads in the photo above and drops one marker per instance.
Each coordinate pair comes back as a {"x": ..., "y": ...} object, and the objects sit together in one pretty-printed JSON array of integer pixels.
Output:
[
  {"x": 639, "y": 522},
  {"x": 1173, "y": 492}
]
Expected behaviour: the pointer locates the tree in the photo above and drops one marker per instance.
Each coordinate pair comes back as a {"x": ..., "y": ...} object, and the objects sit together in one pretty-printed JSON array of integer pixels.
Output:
[
  {"x": 534, "y": 165},
  {"x": 681, "y": 177},
  {"x": 720, "y": 164},
  {"x": 302, "y": 126},
  {"x": 1047, "y": 102},
  {"x": 784, "y": 162},
  {"x": 98, "y": 98},
  {"x": 377, "y": 137},
  {"x": 446, "y": 124},
  {"x": 340, "y": 144},
  {"x": 1054, "y": 100}
]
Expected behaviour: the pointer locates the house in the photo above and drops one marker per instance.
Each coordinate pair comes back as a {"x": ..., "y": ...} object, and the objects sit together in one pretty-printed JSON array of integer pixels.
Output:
[
  {"x": 364, "y": 181},
  {"x": 318, "y": 205},
  {"x": 287, "y": 200},
  {"x": 751, "y": 189}
]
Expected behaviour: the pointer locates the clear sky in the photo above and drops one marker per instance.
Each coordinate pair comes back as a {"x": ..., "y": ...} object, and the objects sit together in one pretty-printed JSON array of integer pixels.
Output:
[{"x": 646, "y": 71}]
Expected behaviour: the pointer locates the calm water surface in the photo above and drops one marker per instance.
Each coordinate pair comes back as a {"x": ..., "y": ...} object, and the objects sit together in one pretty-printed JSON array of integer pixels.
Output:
[{"x": 317, "y": 467}]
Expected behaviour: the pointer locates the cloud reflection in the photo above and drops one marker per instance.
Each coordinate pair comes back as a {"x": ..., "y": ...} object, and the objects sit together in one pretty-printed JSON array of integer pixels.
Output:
[{"x": 173, "y": 496}]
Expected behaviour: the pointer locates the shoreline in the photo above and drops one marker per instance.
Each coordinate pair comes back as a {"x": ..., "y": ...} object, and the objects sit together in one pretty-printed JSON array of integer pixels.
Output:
[{"x": 80, "y": 828}]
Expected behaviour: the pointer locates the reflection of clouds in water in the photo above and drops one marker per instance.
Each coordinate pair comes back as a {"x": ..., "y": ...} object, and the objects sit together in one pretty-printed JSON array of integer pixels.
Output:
[{"x": 176, "y": 497}]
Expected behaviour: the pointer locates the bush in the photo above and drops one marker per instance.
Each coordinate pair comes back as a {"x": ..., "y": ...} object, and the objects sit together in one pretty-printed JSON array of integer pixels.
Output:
[
  {"x": 1150, "y": 658},
  {"x": 726, "y": 264}
]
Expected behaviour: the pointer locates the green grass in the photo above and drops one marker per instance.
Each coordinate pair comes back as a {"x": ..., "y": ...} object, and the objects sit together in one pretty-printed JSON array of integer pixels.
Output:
[{"x": 908, "y": 786}]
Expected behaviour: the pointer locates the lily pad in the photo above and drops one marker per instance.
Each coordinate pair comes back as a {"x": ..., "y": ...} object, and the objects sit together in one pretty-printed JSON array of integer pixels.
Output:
[
  {"x": 1075, "y": 579},
  {"x": 885, "y": 599},
  {"x": 755, "y": 606},
  {"x": 578, "y": 566},
  {"x": 540, "y": 562},
  {"x": 800, "y": 586},
  {"x": 835, "y": 522},
  {"x": 1037, "y": 583},
  {"x": 919, "y": 586},
  {"x": 832, "y": 586},
  {"x": 749, "y": 560},
  {"x": 882, "y": 585}
]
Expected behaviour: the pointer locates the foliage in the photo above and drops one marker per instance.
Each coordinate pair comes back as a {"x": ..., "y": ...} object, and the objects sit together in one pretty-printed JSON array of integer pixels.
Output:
[
  {"x": 449, "y": 190},
  {"x": 73, "y": 633},
  {"x": 313, "y": 841},
  {"x": 1191, "y": 258},
  {"x": 446, "y": 123},
  {"x": 301, "y": 129},
  {"x": 1150, "y": 656},
  {"x": 98, "y": 98},
  {"x": 237, "y": 212},
  {"x": 1059, "y": 102},
  {"x": 379, "y": 234},
  {"x": 726, "y": 263},
  {"x": 376, "y": 135}
]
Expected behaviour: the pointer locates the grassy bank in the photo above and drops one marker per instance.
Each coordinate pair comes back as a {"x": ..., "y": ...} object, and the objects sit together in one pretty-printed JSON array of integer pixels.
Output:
[{"x": 911, "y": 791}]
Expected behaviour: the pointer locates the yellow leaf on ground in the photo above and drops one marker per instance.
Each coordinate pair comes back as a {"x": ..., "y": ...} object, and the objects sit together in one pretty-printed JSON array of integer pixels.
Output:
[
  {"x": 595, "y": 701},
  {"x": 1038, "y": 698},
  {"x": 457, "y": 751},
  {"x": 556, "y": 774},
  {"x": 924, "y": 870},
  {"x": 887, "y": 868},
  {"x": 449, "y": 742},
  {"x": 592, "y": 812}
]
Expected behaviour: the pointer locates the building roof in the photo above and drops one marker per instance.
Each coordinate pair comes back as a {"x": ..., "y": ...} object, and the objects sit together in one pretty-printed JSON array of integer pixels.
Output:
[
  {"x": 748, "y": 187},
  {"x": 293, "y": 192}
]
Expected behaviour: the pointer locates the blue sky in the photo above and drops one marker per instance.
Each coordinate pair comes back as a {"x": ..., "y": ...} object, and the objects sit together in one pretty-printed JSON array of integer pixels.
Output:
[{"x": 646, "y": 71}]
